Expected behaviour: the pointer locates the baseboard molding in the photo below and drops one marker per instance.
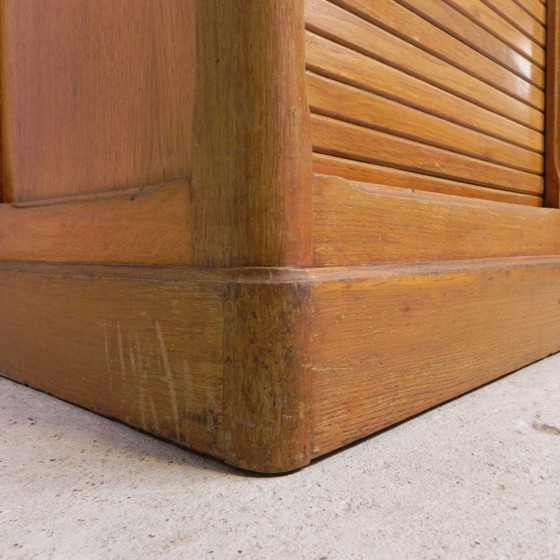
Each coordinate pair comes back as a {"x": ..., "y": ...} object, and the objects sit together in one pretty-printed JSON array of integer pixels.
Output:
[{"x": 269, "y": 368}]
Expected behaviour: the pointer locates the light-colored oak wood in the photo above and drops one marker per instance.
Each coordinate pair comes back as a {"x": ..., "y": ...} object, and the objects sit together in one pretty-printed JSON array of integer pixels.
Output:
[
  {"x": 267, "y": 392},
  {"x": 468, "y": 31},
  {"x": 395, "y": 341},
  {"x": 335, "y": 137},
  {"x": 142, "y": 345},
  {"x": 486, "y": 17},
  {"x": 335, "y": 99},
  {"x": 328, "y": 58},
  {"x": 248, "y": 309},
  {"x": 252, "y": 148},
  {"x": 534, "y": 8},
  {"x": 357, "y": 348},
  {"x": 519, "y": 18},
  {"x": 552, "y": 152},
  {"x": 373, "y": 41},
  {"x": 410, "y": 27},
  {"x": 357, "y": 223},
  {"x": 145, "y": 226},
  {"x": 96, "y": 96},
  {"x": 381, "y": 175}
]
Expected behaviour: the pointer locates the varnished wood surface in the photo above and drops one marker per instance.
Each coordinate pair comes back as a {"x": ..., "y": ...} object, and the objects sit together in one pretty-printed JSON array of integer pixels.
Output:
[
  {"x": 552, "y": 151},
  {"x": 146, "y": 226},
  {"x": 468, "y": 31},
  {"x": 146, "y": 349},
  {"x": 267, "y": 390},
  {"x": 331, "y": 21},
  {"x": 335, "y": 137},
  {"x": 252, "y": 149},
  {"x": 520, "y": 18},
  {"x": 535, "y": 8},
  {"x": 96, "y": 96},
  {"x": 419, "y": 32},
  {"x": 346, "y": 65},
  {"x": 390, "y": 87},
  {"x": 359, "y": 224},
  {"x": 324, "y": 164},
  {"x": 325, "y": 355},
  {"x": 335, "y": 99},
  {"x": 486, "y": 17},
  {"x": 398, "y": 341}
]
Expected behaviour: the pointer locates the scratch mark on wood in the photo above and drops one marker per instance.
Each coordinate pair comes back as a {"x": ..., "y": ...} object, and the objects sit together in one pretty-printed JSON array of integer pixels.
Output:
[
  {"x": 169, "y": 377},
  {"x": 121, "y": 351},
  {"x": 108, "y": 361},
  {"x": 146, "y": 398}
]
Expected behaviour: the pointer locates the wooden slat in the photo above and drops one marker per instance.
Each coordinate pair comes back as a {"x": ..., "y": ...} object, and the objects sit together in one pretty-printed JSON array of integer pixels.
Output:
[
  {"x": 345, "y": 102},
  {"x": 534, "y": 8},
  {"x": 335, "y": 137},
  {"x": 359, "y": 224},
  {"x": 492, "y": 22},
  {"x": 342, "y": 26},
  {"x": 382, "y": 175},
  {"x": 341, "y": 63},
  {"x": 511, "y": 12},
  {"x": 463, "y": 28},
  {"x": 407, "y": 25}
]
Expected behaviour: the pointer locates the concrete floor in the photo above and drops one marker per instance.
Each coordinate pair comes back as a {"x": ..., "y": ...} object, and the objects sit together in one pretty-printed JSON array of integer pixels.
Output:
[{"x": 476, "y": 478}]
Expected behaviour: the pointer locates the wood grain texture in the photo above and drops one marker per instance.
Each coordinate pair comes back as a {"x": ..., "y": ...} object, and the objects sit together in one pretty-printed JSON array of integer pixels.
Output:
[
  {"x": 520, "y": 18},
  {"x": 335, "y": 137},
  {"x": 468, "y": 31},
  {"x": 419, "y": 32},
  {"x": 341, "y": 63},
  {"x": 139, "y": 344},
  {"x": 360, "y": 224},
  {"x": 396, "y": 341},
  {"x": 381, "y": 175},
  {"x": 97, "y": 98},
  {"x": 252, "y": 158},
  {"x": 266, "y": 387},
  {"x": 552, "y": 150},
  {"x": 487, "y": 18},
  {"x": 331, "y": 21},
  {"x": 535, "y": 8},
  {"x": 147, "y": 226},
  {"x": 341, "y": 101}
]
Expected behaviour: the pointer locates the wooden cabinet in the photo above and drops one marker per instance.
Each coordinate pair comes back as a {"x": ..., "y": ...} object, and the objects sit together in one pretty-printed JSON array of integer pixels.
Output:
[{"x": 266, "y": 229}]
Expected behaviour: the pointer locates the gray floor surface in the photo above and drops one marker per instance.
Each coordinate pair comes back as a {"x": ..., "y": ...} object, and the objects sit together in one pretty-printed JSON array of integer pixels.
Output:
[{"x": 478, "y": 477}]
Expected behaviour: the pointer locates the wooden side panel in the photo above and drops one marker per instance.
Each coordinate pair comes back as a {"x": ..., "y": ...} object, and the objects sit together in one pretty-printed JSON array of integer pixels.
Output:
[
  {"x": 358, "y": 223},
  {"x": 96, "y": 96},
  {"x": 137, "y": 226},
  {"x": 141, "y": 345},
  {"x": 398, "y": 341}
]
